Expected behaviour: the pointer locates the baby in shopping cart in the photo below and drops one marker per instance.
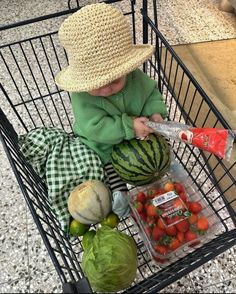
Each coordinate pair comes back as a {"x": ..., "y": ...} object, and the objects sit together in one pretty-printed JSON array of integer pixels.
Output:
[{"x": 111, "y": 98}]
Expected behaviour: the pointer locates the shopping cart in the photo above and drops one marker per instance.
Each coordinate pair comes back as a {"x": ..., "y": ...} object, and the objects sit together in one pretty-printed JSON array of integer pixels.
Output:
[{"x": 28, "y": 85}]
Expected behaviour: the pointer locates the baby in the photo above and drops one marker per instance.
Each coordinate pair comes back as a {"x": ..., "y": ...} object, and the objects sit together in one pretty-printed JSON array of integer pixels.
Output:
[{"x": 111, "y": 97}]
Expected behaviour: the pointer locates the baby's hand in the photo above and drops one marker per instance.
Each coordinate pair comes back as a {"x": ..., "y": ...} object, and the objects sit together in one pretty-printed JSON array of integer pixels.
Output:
[
  {"x": 156, "y": 117},
  {"x": 140, "y": 128}
]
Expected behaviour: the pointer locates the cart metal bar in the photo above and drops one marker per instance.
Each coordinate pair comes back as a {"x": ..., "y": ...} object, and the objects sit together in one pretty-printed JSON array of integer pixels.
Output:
[
  {"x": 36, "y": 19},
  {"x": 48, "y": 16}
]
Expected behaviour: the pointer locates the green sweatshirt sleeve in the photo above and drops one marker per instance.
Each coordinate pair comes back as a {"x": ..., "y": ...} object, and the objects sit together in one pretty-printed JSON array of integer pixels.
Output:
[
  {"x": 154, "y": 104},
  {"x": 97, "y": 125},
  {"x": 152, "y": 98}
]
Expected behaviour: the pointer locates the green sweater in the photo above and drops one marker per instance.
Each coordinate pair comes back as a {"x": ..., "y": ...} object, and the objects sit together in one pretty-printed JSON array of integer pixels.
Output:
[{"x": 102, "y": 122}]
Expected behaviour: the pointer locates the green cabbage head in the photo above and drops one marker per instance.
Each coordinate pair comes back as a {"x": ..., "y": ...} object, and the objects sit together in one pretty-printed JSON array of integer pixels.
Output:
[{"x": 110, "y": 261}]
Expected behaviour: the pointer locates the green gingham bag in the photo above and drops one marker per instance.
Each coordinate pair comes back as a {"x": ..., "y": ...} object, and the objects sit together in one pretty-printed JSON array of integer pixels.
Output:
[{"x": 64, "y": 162}]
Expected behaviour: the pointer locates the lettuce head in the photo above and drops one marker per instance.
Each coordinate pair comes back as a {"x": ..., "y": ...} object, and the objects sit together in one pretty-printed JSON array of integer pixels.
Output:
[{"x": 110, "y": 260}]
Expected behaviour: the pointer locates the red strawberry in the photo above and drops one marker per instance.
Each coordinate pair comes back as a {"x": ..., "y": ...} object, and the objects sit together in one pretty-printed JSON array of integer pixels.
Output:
[
  {"x": 150, "y": 220},
  {"x": 190, "y": 235},
  {"x": 151, "y": 210},
  {"x": 179, "y": 188},
  {"x": 173, "y": 219},
  {"x": 174, "y": 244},
  {"x": 195, "y": 207},
  {"x": 171, "y": 231},
  {"x": 157, "y": 233},
  {"x": 187, "y": 204},
  {"x": 192, "y": 219},
  {"x": 141, "y": 197},
  {"x": 202, "y": 224},
  {"x": 160, "y": 260},
  {"x": 180, "y": 237},
  {"x": 160, "y": 191},
  {"x": 178, "y": 204},
  {"x": 194, "y": 243},
  {"x": 152, "y": 193},
  {"x": 160, "y": 224},
  {"x": 133, "y": 217},
  {"x": 183, "y": 226},
  {"x": 143, "y": 215},
  {"x": 161, "y": 249},
  {"x": 183, "y": 196},
  {"x": 139, "y": 206}
]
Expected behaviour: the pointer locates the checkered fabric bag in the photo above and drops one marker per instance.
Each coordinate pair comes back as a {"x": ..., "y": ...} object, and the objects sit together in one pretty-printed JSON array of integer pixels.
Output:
[{"x": 64, "y": 162}]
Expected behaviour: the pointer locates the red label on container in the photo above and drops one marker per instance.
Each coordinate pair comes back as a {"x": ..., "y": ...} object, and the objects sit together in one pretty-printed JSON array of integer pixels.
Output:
[{"x": 171, "y": 208}]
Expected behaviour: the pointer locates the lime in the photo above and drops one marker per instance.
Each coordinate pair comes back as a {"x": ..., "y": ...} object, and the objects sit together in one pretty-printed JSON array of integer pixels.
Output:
[
  {"x": 112, "y": 220},
  {"x": 87, "y": 238},
  {"x": 77, "y": 228}
]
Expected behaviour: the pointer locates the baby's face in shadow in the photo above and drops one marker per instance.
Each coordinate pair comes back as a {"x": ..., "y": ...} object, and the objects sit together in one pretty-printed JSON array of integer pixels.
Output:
[{"x": 110, "y": 89}]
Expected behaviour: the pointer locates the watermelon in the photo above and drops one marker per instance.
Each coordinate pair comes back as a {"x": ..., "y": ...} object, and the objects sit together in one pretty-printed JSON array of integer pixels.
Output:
[{"x": 140, "y": 162}]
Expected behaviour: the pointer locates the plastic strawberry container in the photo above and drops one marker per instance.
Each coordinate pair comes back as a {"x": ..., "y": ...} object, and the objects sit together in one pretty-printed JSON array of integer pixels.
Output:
[{"x": 173, "y": 218}]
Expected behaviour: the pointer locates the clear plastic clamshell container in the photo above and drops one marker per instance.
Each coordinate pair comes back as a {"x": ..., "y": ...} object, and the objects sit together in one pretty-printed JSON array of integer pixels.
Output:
[{"x": 173, "y": 218}]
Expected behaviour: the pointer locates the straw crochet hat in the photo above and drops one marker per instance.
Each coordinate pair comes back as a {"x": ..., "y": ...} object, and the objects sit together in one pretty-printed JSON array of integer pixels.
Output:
[{"x": 98, "y": 42}]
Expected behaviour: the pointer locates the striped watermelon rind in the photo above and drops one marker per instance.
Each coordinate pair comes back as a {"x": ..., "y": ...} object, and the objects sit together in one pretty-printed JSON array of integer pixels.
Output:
[{"x": 140, "y": 162}]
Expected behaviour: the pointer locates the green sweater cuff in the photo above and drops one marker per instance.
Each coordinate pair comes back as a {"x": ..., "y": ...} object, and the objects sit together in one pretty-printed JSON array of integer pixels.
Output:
[{"x": 128, "y": 126}]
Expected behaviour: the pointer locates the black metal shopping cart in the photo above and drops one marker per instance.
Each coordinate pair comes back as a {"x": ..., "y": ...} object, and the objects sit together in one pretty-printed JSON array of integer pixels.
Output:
[{"x": 29, "y": 67}]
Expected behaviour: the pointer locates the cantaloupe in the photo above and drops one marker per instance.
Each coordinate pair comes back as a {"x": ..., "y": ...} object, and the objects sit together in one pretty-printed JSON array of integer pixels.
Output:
[{"x": 90, "y": 202}]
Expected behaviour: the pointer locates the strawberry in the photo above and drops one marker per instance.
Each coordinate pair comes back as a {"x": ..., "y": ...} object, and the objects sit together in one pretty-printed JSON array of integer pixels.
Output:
[
  {"x": 194, "y": 243},
  {"x": 173, "y": 219},
  {"x": 178, "y": 204},
  {"x": 139, "y": 206},
  {"x": 171, "y": 231},
  {"x": 183, "y": 196},
  {"x": 160, "y": 260},
  {"x": 179, "y": 188},
  {"x": 143, "y": 215},
  {"x": 151, "y": 210},
  {"x": 169, "y": 186},
  {"x": 152, "y": 193},
  {"x": 161, "y": 249},
  {"x": 160, "y": 191},
  {"x": 174, "y": 244},
  {"x": 187, "y": 203},
  {"x": 180, "y": 237},
  {"x": 150, "y": 220},
  {"x": 193, "y": 218},
  {"x": 190, "y": 235},
  {"x": 202, "y": 224},
  {"x": 183, "y": 226},
  {"x": 160, "y": 224},
  {"x": 195, "y": 207},
  {"x": 141, "y": 197},
  {"x": 157, "y": 233}
]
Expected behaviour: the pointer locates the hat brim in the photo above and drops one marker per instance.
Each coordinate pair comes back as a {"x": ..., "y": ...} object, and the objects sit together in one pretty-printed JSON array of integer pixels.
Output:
[{"x": 67, "y": 79}]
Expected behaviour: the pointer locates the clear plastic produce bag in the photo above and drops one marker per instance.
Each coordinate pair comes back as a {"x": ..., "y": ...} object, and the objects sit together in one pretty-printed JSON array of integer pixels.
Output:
[{"x": 217, "y": 141}]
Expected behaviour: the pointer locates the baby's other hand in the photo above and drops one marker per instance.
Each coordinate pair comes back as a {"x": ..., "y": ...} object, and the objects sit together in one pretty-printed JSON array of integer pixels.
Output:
[
  {"x": 140, "y": 128},
  {"x": 156, "y": 117}
]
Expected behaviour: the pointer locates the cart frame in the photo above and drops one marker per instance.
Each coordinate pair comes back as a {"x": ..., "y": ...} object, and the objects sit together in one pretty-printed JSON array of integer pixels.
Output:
[{"x": 31, "y": 102}]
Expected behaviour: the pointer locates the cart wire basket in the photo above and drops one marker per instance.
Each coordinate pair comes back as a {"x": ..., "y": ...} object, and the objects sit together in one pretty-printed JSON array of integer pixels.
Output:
[{"x": 33, "y": 100}]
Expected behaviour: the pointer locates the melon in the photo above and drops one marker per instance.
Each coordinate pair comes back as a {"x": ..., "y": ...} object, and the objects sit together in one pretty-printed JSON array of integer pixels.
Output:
[
  {"x": 90, "y": 202},
  {"x": 140, "y": 162}
]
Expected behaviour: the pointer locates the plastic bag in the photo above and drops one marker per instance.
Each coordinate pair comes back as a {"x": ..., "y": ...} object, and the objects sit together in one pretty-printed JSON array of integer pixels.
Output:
[{"x": 217, "y": 141}]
